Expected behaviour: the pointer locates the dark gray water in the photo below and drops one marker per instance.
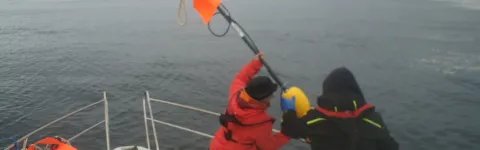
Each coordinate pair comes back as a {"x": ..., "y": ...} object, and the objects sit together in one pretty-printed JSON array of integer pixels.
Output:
[{"x": 418, "y": 61}]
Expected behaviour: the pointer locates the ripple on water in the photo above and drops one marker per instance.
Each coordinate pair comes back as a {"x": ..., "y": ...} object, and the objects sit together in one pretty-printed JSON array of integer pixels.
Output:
[
  {"x": 470, "y": 4},
  {"x": 451, "y": 63}
]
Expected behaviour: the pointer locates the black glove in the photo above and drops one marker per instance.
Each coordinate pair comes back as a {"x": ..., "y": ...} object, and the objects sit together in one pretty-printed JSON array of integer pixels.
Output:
[{"x": 292, "y": 126}]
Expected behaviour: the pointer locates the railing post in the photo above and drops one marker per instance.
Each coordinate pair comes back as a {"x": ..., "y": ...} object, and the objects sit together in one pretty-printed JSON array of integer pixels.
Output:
[
  {"x": 25, "y": 142},
  {"x": 147, "y": 97},
  {"x": 146, "y": 125},
  {"x": 107, "y": 130}
]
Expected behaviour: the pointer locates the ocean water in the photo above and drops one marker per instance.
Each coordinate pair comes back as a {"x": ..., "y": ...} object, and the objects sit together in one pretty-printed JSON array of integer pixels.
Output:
[
  {"x": 417, "y": 61},
  {"x": 470, "y": 4}
]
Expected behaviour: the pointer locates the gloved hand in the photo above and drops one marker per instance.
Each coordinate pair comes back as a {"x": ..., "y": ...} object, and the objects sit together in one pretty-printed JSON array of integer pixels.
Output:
[
  {"x": 292, "y": 126},
  {"x": 287, "y": 104}
]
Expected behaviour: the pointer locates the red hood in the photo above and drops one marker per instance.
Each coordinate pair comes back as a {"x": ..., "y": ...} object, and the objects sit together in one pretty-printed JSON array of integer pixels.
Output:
[{"x": 246, "y": 109}]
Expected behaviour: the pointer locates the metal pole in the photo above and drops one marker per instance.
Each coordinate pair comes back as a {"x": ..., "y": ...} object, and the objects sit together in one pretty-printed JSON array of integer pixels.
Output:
[
  {"x": 146, "y": 125},
  {"x": 107, "y": 129},
  {"x": 151, "y": 119},
  {"x": 241, "y": 32}
]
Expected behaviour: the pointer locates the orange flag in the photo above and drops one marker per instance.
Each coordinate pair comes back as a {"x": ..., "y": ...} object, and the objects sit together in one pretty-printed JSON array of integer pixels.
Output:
[{"x": 206, "y": 8}]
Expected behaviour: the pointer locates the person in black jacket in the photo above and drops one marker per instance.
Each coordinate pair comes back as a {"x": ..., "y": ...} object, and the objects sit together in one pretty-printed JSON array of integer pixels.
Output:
[{"x": 343, "y": 119}]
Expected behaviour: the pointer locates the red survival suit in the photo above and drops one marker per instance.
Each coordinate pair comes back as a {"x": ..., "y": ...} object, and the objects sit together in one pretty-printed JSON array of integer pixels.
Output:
[{"x": 252, "y": 128}]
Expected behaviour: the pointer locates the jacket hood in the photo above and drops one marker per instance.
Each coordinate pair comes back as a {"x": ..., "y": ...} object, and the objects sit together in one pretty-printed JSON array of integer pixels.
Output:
[
  {"x": 341, "y": 91},
  {"x": 247, "y": 110}
]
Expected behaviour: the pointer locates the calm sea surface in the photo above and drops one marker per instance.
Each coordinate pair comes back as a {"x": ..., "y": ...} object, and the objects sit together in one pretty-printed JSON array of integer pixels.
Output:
[{"x": 418, "y": 61}]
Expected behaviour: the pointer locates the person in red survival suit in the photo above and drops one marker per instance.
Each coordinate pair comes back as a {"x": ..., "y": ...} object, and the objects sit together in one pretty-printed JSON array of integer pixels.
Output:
[
  {"x": 245, "y": 124},
  {"x": 343, "y": 119}
]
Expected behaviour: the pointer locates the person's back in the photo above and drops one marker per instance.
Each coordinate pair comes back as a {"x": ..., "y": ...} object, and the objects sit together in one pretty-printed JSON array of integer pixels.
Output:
[
  {"x": 348, "y": 134},
  {"x": 343, "y": 120}
]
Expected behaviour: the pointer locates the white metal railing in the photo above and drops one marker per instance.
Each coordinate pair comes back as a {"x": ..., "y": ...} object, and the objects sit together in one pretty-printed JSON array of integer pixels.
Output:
[
  {"x": 146, "y": 126},
  {"x": 147, "y": 100},
  {"x": 86, "y": 130},
  {"x": 107, "y": 129},
  {"x": 25, "y": 137},
  {"x": 152, "y": 120},
  {"x": 183, "y": 128}
]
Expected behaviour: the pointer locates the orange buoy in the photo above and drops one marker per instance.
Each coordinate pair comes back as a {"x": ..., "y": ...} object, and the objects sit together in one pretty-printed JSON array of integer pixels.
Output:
[
  {"x": 60, "y": 145},
  {"x": 302, "y": 105}
]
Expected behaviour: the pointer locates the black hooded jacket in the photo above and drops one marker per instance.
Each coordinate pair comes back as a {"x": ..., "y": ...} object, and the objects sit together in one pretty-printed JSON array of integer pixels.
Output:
[{"x": 343, "y": 119}]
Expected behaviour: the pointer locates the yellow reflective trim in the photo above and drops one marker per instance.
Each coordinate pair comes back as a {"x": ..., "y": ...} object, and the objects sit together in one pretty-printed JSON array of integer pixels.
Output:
[
  {"x": 371, "y": 122},
  {"x": 335, "y": 108},
  {"x": 355, "y": 104},
  {"x": 315, "y": 120}
]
